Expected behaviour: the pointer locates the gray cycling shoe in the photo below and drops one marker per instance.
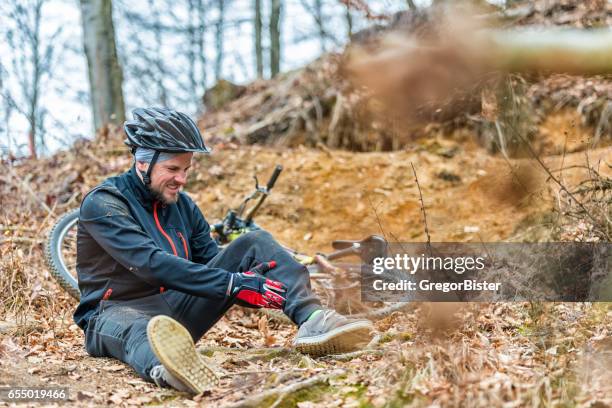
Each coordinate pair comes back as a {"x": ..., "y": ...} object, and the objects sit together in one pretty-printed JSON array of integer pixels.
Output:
[
  {"x": 328, "y": 332},
  {"x": 164, "y": 379},
  {"x": 181, "y": 367}
]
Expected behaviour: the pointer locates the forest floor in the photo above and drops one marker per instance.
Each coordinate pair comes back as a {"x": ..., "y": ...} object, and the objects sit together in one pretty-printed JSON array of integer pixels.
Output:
[{"x": 475, "y": 354}]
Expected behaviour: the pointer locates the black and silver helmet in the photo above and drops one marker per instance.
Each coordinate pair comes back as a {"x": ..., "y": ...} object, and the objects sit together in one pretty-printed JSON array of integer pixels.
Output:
[{"x": 164, "y": 130}]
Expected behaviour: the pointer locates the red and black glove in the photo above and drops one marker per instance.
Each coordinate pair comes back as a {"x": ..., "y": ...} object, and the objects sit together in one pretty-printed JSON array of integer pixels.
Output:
[{"x": 256, "y": 290}]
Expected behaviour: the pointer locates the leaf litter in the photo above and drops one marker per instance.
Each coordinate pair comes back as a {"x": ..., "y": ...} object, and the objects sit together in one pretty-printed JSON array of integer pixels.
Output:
[{"x": 474, "y": 354}]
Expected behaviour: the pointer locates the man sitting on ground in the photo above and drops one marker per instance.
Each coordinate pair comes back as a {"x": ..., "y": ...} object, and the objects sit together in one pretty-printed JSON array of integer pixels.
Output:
[{"x": 153, "y": 281}]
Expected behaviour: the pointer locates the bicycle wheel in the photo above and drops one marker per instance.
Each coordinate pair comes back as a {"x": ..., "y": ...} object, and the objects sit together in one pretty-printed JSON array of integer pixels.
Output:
[{"x": 60, "y": 252}]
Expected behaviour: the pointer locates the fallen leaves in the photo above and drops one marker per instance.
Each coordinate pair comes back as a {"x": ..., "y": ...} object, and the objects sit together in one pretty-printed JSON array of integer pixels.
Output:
[
  {"x": 264, "y": 329},
  {"x": 114, "y": 368},
  {"x": 483, "y": 355}
]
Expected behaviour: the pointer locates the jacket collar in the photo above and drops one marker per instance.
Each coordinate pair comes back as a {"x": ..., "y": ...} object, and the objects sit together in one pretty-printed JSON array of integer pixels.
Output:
[{"x": 143, "y": 195}]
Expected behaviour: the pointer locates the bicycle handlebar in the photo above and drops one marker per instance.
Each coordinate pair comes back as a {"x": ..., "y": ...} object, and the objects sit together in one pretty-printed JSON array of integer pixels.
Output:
[
  {"x": 277, "y": 172},
  {"x": 263, "y": 194}
]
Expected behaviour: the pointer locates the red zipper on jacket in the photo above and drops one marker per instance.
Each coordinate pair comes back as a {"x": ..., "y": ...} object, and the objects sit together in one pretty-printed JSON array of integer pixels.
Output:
[
  {"x": 184, "y": 244},
  {"x": 159, "y": 227},
  {"x": 107, "y": 294}
]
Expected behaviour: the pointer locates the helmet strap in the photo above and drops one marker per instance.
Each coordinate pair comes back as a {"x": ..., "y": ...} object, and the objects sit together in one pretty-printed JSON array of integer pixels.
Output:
[{"x": 146, "y": 178}]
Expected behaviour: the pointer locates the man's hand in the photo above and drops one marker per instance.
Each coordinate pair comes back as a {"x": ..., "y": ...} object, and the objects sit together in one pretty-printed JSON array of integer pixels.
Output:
[{"x": 256, "y": 290}]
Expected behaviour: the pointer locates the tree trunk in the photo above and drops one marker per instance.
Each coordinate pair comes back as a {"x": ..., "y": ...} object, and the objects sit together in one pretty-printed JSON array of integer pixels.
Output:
[
  {"x": 201, "y": 36},
  {"x": 275, "y": 47},
  {"x": 258, "y": 25},
  {"x": 105, "y": 75},
  {"x": 158, "y": 59},
  {"x": 36, "y": 74},
  {"x": 349, "y": 22},
  {"x": 318, "y": 9},
  {"x": 191, "y": 36},
  {"x": 7, "y": 128},
  {"x": 219, "y": 40}
]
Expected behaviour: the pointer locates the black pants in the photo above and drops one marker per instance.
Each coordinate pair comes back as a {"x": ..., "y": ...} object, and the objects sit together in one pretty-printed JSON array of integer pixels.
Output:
[{"x": 118, "y": 329}]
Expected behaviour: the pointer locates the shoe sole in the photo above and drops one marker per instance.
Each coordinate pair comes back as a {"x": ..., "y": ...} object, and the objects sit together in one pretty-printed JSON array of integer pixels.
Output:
[
  {"x": 340, "y": 340},
  {"x": 174, "y": 347}
]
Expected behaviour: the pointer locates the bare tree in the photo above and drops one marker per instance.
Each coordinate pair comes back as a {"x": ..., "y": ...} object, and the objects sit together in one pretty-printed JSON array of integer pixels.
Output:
[
  {"x": 5, "y": 126},
  {"x": 155, "y": 59},
  {"x": 201, "y": 35},
  {"x": 193, "y": 39},
  {"x": 349, "y": 22},
  {"x": 258, "y": 25},
  {"x": 32, "y": 63},
  {"x": 178, "y": 80},
  {"x": 219, "y": 26},
  {"x": 105, "y": 74},
  {"x": 316, "y": 11},
  {"x": 197, "y": 54},
  {"x": 275, "y": 37}
]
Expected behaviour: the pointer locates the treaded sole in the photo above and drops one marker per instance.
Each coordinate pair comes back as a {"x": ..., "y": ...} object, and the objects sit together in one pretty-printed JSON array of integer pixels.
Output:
[
  {"x": 341, "y": 340},
  {"x": 174, "y": 347}
]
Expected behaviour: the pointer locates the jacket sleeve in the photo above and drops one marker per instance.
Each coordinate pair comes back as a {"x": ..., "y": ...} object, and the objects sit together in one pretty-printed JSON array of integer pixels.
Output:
[
  {"x": 107, "y": 218},
  {"x": 203, "y": 247}
]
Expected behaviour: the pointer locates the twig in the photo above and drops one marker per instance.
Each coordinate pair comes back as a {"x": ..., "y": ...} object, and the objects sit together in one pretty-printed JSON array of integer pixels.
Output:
[
  {"x": 21, "y": 239},
  {"x": 257, "y": 399},
  {"x": 42, "y": 226},
  {"x": 422, "y": 207},
  {"x": 563, "y": 157},
  {"x": 382, "y": 231},
  {"x": 576, "y": 166},
  {"x": 563, "y": 188},
  {"x": 588, "y": 164},
  {"x": 502, "y": 140},
  {"x": 260, "y": 350},
  {"x": 17, "y": 228},
  {"x": 261, "y": 371},
  {"x": 280, "y": 399},
  {"x": 546, "y": 169},
  {"x": 354, "y": 354}
]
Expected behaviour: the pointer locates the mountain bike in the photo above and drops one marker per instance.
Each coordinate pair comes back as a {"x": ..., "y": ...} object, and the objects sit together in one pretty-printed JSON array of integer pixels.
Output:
[{"x": 337, "y": 284}]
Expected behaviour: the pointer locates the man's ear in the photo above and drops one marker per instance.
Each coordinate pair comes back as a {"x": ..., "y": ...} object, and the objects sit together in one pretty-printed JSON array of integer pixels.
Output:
[{"x": 142, "y": 166}]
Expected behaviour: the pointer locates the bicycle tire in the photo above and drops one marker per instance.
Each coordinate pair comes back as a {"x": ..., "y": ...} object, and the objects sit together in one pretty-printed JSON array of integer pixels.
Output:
[{"x": 54, "y": 257}]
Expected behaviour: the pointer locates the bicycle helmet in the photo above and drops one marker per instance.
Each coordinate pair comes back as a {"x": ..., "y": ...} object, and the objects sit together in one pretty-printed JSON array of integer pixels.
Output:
[{"x": 163, "y": 130}]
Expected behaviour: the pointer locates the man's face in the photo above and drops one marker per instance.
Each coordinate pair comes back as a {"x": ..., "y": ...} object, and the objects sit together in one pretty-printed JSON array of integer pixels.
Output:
[{"x": 168, "y": 177}]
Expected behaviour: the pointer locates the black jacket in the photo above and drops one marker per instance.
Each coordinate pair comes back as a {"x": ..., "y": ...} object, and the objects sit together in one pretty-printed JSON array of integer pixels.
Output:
[{"x": 130, "y": 246}]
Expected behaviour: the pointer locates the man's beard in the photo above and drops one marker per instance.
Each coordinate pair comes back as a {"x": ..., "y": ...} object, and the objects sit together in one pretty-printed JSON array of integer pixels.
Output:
[{"x": 158, "y": 196}]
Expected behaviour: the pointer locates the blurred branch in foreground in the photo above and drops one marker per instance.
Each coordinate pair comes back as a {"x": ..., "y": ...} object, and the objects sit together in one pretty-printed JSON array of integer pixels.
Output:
[
  {"x": 571, "y": 51},
  {"x": 407, "y": 72}
]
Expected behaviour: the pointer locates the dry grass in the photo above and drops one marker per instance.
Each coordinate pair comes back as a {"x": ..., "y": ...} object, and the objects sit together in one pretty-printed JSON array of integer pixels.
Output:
[{"x": 14, "y": 281}]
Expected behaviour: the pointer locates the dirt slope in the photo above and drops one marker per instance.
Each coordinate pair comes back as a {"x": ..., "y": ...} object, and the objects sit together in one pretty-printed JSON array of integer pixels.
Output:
[{"x": 323, "y": 195}]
